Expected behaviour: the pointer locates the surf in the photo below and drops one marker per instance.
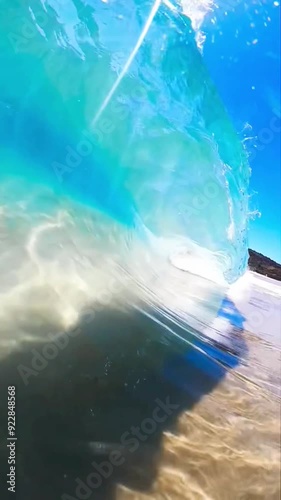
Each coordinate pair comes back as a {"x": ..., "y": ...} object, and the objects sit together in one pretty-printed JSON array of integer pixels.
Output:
[{"x": 123, "y": 180}]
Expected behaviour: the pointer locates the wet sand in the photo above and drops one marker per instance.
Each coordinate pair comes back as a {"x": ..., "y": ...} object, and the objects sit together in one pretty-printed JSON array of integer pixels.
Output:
[{"x": 228, "y": 447}]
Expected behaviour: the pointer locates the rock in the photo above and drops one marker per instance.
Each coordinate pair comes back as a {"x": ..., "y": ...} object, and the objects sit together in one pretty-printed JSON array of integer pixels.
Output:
[{"x": 264, "y": 265}]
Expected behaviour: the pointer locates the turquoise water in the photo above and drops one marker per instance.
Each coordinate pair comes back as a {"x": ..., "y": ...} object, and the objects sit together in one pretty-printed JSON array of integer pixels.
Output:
[
  {"x": 123, "y": 220},
  {"x": 113, "y": 133}
]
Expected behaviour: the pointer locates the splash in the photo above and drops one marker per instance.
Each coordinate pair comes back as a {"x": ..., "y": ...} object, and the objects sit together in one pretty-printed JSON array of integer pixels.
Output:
[{"x": 123, "y": 180}]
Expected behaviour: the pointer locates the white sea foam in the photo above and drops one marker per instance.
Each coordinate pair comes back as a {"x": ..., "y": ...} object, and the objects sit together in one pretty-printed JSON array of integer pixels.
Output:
[{"x": 197, "y": 10}]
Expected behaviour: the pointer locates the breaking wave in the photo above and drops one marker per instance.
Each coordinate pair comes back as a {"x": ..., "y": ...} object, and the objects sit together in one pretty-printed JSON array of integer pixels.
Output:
[{"x": 123, "y": 180}]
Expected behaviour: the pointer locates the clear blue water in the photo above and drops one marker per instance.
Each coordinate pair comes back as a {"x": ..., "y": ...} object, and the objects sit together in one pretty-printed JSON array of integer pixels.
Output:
[
  {"x": 163, "y": 145},
  {"x": 123, "y": 220}
]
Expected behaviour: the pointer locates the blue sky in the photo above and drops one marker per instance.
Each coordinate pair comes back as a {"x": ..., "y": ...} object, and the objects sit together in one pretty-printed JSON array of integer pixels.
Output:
[{"x": 242, "y": 52}]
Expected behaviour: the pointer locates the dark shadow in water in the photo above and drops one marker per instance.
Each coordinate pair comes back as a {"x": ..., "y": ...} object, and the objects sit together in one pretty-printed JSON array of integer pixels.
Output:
[{"x": 115, "y": 372}]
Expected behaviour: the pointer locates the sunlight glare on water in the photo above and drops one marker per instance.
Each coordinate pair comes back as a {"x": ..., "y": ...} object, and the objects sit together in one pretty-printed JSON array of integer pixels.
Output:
[{"x": 124, "y": 196}]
